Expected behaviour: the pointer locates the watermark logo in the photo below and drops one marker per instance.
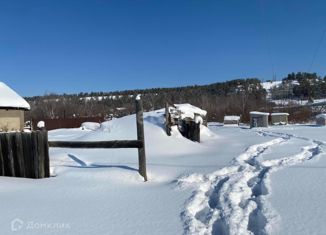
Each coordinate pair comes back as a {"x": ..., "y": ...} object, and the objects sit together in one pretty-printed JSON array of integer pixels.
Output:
[
  {"x": 19, "y": 225},
  {"x": 16, "y": 225}
]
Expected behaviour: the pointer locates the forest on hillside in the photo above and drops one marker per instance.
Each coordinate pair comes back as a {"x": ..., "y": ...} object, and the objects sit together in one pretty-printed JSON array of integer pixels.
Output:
[
  {"x": 301, "y": 86},
  {"x": 235, "y": 97}
]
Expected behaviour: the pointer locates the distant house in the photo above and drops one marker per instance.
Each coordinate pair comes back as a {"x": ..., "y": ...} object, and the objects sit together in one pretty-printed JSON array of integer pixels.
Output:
[
  {"x": 321, "y": 119},
  {"x": 258, "y": 119},
  {"x": 231, "y": 120},
  {"x": 279, "y": 118},
  {"x": 12, "y": 108}
]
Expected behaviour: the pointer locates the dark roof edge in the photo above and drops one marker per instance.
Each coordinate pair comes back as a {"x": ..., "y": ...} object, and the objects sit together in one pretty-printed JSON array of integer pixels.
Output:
[{"x": 15, "y": 108}]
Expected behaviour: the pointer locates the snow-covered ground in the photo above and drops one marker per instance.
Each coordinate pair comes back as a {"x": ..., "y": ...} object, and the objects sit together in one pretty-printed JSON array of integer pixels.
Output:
[{"x": 237, "y": 181}]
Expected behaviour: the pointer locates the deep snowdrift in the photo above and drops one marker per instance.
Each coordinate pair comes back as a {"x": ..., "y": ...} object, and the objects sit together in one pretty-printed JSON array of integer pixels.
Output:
[{"x": 157, "y": 142}]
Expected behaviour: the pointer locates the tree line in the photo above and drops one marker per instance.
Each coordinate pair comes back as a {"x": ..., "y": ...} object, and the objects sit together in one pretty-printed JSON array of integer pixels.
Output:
[
  {"x": 300, "y": 85},
  {"x": 236, "y": 97}
]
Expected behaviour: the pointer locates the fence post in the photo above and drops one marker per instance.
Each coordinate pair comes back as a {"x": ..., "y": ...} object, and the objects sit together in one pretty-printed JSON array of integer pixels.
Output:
[
  {"x": 167, "y": 120},
  {"x": 141, "y": 137}
]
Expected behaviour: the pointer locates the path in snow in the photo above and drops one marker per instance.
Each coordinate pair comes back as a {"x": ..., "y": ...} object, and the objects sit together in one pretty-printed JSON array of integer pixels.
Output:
[{"x": 233, "y": 199}]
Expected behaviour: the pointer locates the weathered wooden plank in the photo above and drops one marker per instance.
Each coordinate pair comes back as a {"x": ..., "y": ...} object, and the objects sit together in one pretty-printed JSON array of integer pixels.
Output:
[
  {"x": 7, "y": 155},
  {"x": 20, "y": 154},
  {"x": 34, "y": 155},
  {"x": 17, "y": 150},
  {"x": 97, "y": 144},
  {"x": 2, "y": 167},
  {"x": 141, "y": 137},
  {"x": 24, "y": 155},
  {"x": 40, "y": 154},
  {"x": 27, "y": 154},
  {"x": 46, "y": 155},
  {"x": 10, "y": 156}
]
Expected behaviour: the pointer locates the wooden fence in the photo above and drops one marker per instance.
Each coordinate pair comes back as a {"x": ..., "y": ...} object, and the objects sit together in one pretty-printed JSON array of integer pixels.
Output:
[
  {"x": 27, "y": 154},
  {"x": 24, "y": 154},
  {"x": 139, "y": 143}
]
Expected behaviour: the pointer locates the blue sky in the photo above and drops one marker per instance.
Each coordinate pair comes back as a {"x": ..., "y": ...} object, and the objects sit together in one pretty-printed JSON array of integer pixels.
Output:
[{"x": 105, "y": 45}]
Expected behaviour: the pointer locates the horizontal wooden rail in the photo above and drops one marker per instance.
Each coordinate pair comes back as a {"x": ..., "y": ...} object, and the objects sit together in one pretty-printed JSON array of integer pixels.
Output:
[
  {"x": 97, "y": 144},
  {"x": 139, "y": 143}
]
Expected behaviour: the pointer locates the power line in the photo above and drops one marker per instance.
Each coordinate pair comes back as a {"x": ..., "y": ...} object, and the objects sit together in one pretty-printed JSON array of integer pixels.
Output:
[
  {"x": 267, "y": 39},
  {"x": 316, "y": 50}
]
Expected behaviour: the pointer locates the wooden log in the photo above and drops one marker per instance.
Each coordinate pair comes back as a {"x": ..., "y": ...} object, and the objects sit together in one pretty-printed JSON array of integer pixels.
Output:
[
  {"x": 97, "y": 144},
  {"x": 141, "y": 137},
  {"x": 7, "y": 155}
]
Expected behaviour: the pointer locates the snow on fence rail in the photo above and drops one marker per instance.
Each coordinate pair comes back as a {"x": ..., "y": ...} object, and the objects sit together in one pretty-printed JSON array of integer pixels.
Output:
[
  {"x": 24, "y": 154},
  {"x": 139, "y": 143}
]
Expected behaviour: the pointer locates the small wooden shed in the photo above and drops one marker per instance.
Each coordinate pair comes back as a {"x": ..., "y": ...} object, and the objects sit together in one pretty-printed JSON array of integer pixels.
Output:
[
  {"x": 279, "y": 118},
  {"x": 12, "y": 108},
  {"x": 232, "y": 120},
  {"x": 188, "y": 119},
  {"x": 258, "y": 119},
  {"x": 321, "y": 119}
]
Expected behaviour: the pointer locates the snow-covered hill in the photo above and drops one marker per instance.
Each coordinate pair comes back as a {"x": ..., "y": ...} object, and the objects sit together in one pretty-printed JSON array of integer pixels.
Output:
[{"x": 269, "y": 85}]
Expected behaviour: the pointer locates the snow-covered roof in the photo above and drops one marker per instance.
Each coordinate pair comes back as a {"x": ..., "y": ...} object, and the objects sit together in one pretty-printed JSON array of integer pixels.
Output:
[
  {"x": 10, "y": 99},
  {"x": 231, "y": 118},
  {"x": 280, "y": 114},
  {"x": 322, "y": 115},
  {"x": 259, "y": 113},
  {"x": 188, "y": 110}
]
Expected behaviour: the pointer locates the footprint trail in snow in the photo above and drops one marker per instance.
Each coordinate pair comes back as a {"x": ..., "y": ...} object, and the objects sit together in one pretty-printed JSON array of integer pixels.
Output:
[{"x": 233, "y": 199}]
